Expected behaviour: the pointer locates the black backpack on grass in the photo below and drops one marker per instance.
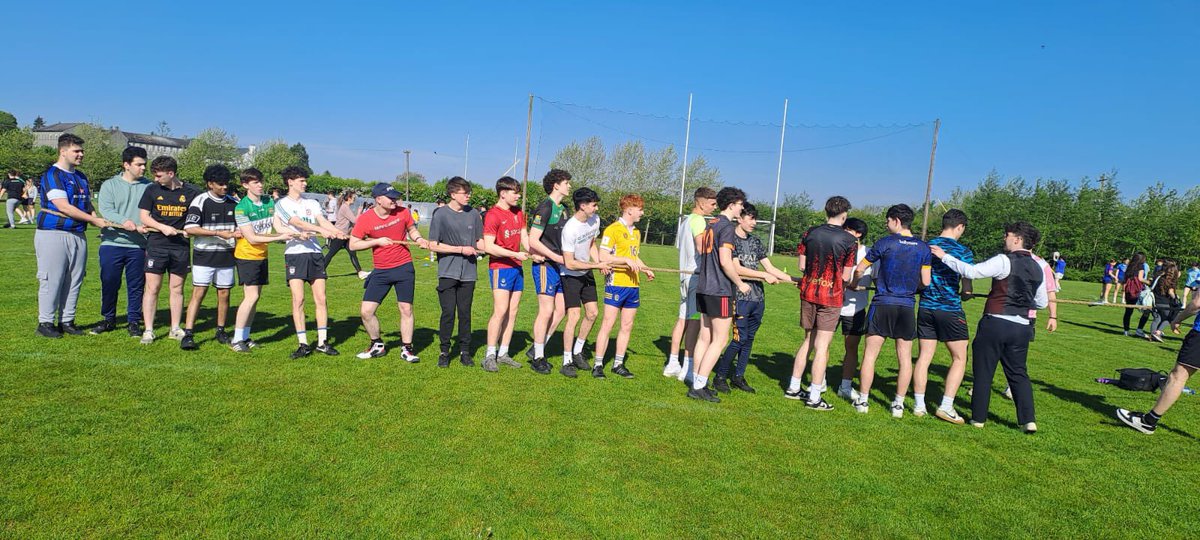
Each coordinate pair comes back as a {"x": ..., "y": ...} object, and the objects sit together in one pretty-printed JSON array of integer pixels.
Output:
[{"x": 1141, "y": 379}]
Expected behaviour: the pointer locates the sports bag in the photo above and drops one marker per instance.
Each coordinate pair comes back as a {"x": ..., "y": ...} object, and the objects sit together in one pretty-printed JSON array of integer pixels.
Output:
[
  {"x": 1146, "y": 296},
  {"x": 1141, "y": 379}
]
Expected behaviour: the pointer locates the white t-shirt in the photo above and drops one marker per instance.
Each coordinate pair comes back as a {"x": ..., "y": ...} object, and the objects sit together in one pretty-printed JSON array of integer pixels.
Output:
[
  {"x": 856, "y": 301},
  {"x": 577, "y": 238},
  {"x": 305, "y": 209}
]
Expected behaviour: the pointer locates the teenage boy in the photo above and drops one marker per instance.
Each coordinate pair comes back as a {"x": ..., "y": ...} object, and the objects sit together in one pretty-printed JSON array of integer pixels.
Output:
[
  {"x": 456, "y": 235},
  {"x": 687, "y": 326},
  {"x": 383, "y": 229},
  {"x": 1003, "y": 335},
  {"x": 620, "y": 246},
  {"x": 718, "y": 281},
  {"x": 254, "y": 216},
  {"x": 163, "y": 210},
  {"x": 1186, "y": 364},
  {"x": 941, "y": 319},
  {"x": 302, "y": 257},
  {"x": 580, "y": 257},
  {"x": 749, "y": 254},
  {"x": 545, "y": 238},
  {"x": 853, "y": 320},
  {"x": 123, "y": 246},
  {"x": 59, "y": 245},
  {"x": 902, "y": 266},
  {"x": 210, "y": 221},
  {"x": 507, "y": 243},
  {"x": 826, "y": 255}
]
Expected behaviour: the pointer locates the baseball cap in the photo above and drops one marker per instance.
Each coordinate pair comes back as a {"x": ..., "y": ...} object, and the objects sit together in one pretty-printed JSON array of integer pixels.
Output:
[{"x": 385, "y": 190}]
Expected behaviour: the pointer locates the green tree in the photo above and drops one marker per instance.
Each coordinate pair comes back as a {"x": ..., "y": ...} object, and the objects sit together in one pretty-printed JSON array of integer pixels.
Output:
[
  {"x": 39, "y": 123},
  {"x": 102, "y": 155},
  {"x": 18, "y": 152},
  {"x": 301, "y": 154},
  {"x": 272, "y": 158},
  {"x": 8, "y": 122},
  {"x": 210, "y": 146}
]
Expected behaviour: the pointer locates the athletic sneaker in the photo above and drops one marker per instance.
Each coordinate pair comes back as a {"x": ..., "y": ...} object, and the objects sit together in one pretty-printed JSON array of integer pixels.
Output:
[
  {"x": 240, "y": 346},
  {"x": 489, "y": 363},
  {"x": 301, "y": 351},
  {"x": 568, "y": 370},
  {"x": 684, "y": 375},
  {"x": 598, "y": 372},
  {"x": 1139, "y": 333},
  {"x": 977, "y": 424},
  {"x": 529, "y": 354},
  {"x": 443, "y": 360},
  {"x": 251, "y": 343},
  {"x": 466, "y": 360},
  {"x": 362, "y": 274},
  {"x": 819, "y": 406},
  {"x": 919, "y": 412},
  {"x": 897, "y": 410},
  {"x": 176, "y": 334},
  {"x": 581, "y": 361},
  {"x": 407, "y": 355},
  {"x": 1156, "y": 337},
  {"x": 741, "y": 384},
  {"x": 862, "y": 406},
  {"x": 326, "y": 349},
  {"x": 508, "y": 361},
  {"x": 1008, "y": 393},
  {"x": 622, "y": 371},
  {"x": 374, "y": 350},
  {"x": 949, "y": 416},
  {"x": 800, "y": 395},
  {"x": 102, "y": 327},
  {"x": 672, "y": 369},
  {"x": 847, "y": 394},
  {"x": 48, "y": 330},
  {"x": 147, "y": 337},
  {"x": 703, "y": 394},
  {"x": 540, "y": 366},
  {"x": 68, "y": 327},
  {"x": 135, "y": 329},
  {"x": 721, "y": 385},
  {"x": 223, "y": 337},
  {"x": 1135, "y": 421},
  {"x": 188, "y": 343},
  {"x": 1031, "y": 428}
]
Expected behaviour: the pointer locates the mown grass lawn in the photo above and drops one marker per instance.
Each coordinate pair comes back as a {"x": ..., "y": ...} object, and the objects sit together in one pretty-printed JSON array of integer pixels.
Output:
[{"x": 103, "y": 437}]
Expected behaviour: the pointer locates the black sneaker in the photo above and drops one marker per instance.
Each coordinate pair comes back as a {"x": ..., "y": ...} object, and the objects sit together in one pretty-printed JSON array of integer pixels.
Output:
[
  {"x": 622, "y": 371},
  {"x": 540, "y": 366},
  {"x": 135, "y": 329},
  {"x": 240, "y": 346},
  {"x": 800, "y": 394},
  {"x": 102, "y": 327},
  {"x": 251, "y": 343},
  {"x": 48, "y": 330},
  {"x": 443, "y": 360},
  {"x": 529, "y": 354},
  {"x": 819, "y": 406},
  {"x": 598, "y": 372},
  {"x": 466, "y": 360},
  {"x": 68, "y": 327},
  {"x": 568, "y": 370},
  {"x": 223, "y": 336},
  {"x": 188, "y": 343},
  {"x": 740, "y": 384},
  {"x": 327, "y": 349},
  {"x": 721, "y": 385},
  {"x": 301, "y": 351},
  {"x": 581, "y": 361},
  {"x": 703, "y": 394}
]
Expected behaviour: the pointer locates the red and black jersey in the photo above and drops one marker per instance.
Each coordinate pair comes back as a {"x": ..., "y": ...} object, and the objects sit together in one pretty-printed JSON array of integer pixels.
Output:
[{"x": 827, "y": 250}]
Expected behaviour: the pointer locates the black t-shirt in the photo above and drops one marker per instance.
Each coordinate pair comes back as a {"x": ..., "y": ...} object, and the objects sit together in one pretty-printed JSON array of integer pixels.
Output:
[
  {"x": 550, "y": 217},
  {"x": 169, "y": 207},
  {"x": 827, "y": 249},
  {"x": 713, "y": 281},
  {"x": 15, "y": 188}
]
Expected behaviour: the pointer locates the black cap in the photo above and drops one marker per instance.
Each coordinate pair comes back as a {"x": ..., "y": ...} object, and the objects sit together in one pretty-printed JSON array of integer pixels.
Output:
[{"x": 385, "y": 190}]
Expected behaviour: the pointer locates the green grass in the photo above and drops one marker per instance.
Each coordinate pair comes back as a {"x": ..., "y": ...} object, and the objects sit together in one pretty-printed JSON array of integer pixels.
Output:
[{"x": 103, "y": 437}]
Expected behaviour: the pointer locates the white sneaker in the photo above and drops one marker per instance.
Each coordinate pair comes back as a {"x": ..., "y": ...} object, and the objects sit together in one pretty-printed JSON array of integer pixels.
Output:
[
  {"x": 949, "y": 416},
  {"x": 685, "y": 373},
  {"x": 408, "y": 355},
  {"x": 1008, "y": 393},
  {"x": 147, "y": 337},
  {"x": 1134, "y": 420},
  {"x": 897, "y": 411},
  {"x": 362, "y": 274},
  {"x": 672, "y": 369},
  {"x": 919, "y": 412},
  {"x": 977, "y": 424},
  {"x": 848, "y": 394},
  {"x": 861, "y": 406},
  {"x": 1031, "y": 427},
  {"x": 177, "y": 334}
]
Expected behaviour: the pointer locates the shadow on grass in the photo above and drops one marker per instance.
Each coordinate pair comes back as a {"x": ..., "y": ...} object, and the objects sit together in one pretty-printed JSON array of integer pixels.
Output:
[
  {"x": 1095, "y": 402},
  {"x": 1106, "y": 328}
]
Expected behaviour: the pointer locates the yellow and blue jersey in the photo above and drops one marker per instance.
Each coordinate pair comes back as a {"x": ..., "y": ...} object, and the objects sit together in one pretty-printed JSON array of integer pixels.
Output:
[{"x": 622, "y": 240}]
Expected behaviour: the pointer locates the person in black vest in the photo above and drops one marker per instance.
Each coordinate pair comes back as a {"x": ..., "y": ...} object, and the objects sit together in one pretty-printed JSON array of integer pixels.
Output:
[{"x": 1018, "y": 286}]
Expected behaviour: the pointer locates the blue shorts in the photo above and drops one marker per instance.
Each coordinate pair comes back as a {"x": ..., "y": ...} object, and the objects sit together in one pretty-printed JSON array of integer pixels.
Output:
[
  {"x": 622, "y": 297},
  {"x": 507, "y": 279},
  {"x": 546, "y": 279}
]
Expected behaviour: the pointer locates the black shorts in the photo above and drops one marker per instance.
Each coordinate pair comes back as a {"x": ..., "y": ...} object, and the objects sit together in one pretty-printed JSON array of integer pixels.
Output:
[
  {"x": 717, "y": 307},
  {"x": 306, "y": 266},
  {"x": 163, "y": 259},
  {"x": 402, "y": 278},
  {"x": 943, "y": 326},
  {"x": 579, "y": 290},
  {"x": 251, "y": 272},
  {"x": 854, "y": 325},
  {"x": 1189, "y": 353},
  {"x": 896, "y": 322}
]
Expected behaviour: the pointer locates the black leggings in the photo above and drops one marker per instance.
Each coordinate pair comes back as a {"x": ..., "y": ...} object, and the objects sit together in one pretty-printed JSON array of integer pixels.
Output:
[
  {"x": 336, "y": 245},
  {"x": 455, "y": 296}
]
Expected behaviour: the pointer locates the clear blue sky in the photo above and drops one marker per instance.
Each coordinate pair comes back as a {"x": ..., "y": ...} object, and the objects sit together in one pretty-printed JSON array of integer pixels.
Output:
[{"x": 1056, "y": 90}]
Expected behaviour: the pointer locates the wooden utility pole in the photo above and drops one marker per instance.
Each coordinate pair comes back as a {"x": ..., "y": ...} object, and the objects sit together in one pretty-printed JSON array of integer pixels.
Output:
[
  {"x": 937, "y": 123},
  {"x": 407, "y": 178}
]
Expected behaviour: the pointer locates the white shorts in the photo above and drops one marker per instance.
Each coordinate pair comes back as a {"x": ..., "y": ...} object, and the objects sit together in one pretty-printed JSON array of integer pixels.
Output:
[
  {"x": 1058, "y": 276},
  {"x": 687, "y": 296},
  {"x": 203, "y": 276}
]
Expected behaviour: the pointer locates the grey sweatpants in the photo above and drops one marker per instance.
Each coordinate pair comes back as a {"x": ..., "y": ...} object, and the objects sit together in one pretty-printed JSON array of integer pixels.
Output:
[
  {"x": 10, "y": 205},
  {"x": 61, "y": 265}
]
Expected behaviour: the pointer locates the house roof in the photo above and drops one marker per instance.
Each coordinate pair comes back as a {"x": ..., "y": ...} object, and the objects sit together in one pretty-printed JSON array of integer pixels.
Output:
[
  {"x": 142, "y": 138},
  {"x": 61, "y": 126}
]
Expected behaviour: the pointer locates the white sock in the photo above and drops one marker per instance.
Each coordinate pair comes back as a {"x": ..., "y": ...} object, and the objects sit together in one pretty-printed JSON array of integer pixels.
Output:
[
  {"x": 618, "y": 360},
  {"x": 918, "y": 401},
  {"x": 814, "y": 392},
  {"x": 240, "y": 334},
  {"x": 699, "y": 381},
  {"x": 503, "y": 350},
  {"x": 947, "y": 403},
  {"x": 302, "y": 337},
  {"x": 899, "y": 400},
  {"x": 491, "y": 351},
  {"x": 566, "y": 358},
  {"x": 673, "y": 359},
  {"x": 322, "y": 335},
  {"x": 539, "y": 350},
  {"x": 579, "y": 344},
  {"x": 847, "y": 384},
  {"x": 687, "y": 363},
  {"x": 599, "y": 360}
]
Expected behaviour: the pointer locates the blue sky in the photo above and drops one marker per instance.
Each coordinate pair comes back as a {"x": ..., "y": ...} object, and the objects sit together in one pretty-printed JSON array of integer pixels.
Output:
[{"x": 1055, "y": 90}]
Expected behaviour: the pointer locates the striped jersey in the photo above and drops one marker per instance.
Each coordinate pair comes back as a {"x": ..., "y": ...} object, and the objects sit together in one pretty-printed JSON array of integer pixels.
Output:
[
  {"x": 259, "y": 216},
  {"x": 59, "y": 184},
  {"x": 215, "y": 214}
]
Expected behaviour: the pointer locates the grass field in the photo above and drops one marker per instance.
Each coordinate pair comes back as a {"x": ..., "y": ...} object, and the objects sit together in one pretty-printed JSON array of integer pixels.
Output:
[{"x": 103, "y": 437}]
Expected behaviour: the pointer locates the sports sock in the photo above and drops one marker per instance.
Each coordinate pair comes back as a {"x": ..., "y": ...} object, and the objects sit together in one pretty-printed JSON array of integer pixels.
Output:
[
  {"x": 539, "y": 350},
  {"x": 1151, "y": 419},
  {"x": 302, "y": 337},
  {"x": 673, "y": 359},
  {"x": 491, "y": 350},
  {"x": 579, "y": 344},
  {"x": 847, "y": 384},
  {"x": 814, "y": 392},
  {"x": 687, "y": 363},
  {"x": 322, "y": 334},
  {"x": 239, "y": 334},
  {"x": 918, "y": 401},
  {"x": 618, "y": 360},
  {"x": 794, "y": 385},
  {"x": 699, "y": 381},
  {"x": 503, "y": 350},
  {"x": 947, "y": 403},
  {"x": 899, "y": 400},
  {"x": 599, "y": 361},
  {"x": 566, "y": 358}
]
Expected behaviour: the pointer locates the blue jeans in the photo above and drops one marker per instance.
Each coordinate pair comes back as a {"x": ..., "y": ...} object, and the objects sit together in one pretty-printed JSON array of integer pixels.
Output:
[
  {"x": 113, "y": 261},
  {"x": 749, "y": 318}
]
